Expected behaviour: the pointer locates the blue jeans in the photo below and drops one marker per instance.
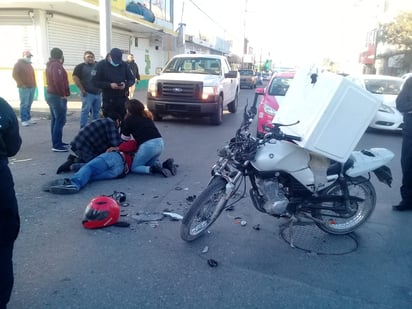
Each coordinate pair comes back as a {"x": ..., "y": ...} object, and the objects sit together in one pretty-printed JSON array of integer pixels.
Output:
[
  {"x": 26, "y": 100},
  {"x": 58, "y": 111},
  {"x": 147, "y": 155},
  {"x": 108, "y": 165},
  {"x": 91, "y": 103}
]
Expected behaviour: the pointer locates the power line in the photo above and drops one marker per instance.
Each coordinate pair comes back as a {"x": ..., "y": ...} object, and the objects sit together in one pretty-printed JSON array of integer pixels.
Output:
[{"x": 212, "y": 20}]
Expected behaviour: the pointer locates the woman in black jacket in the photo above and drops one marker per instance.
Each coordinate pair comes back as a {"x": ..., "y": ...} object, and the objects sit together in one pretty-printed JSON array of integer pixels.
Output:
[
  {"x": 139, "y": 125},
  {"x": 10, "y": 143}
]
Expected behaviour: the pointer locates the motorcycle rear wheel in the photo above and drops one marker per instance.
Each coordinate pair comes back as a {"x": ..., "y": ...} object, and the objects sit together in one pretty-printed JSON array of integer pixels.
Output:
[
  {"x": 204, "y": 211},
  {"x": 344, "y": 222}
]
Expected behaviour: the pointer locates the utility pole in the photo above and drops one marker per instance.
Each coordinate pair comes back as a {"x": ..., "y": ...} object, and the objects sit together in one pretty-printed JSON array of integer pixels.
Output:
[
  {"x": 105, "y": 27},
  {"x": 244, "y": 36}
]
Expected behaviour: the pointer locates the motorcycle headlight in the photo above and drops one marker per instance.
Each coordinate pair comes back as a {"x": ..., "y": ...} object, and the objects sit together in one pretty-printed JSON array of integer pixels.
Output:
[
  {"x": 386, "y": 109},
  {"x": 269, "y": 110}
]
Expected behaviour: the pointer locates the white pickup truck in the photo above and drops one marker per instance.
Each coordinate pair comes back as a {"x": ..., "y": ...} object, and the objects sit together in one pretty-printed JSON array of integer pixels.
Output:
[{"x": 194, "y": 85}]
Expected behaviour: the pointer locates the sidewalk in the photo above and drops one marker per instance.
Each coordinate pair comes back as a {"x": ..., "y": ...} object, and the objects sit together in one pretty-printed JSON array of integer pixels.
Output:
[{"x": 41, "y": 106}]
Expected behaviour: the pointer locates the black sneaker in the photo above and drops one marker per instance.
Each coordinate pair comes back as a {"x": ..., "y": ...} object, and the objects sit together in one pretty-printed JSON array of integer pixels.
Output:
[
  {"x": 67, "y": 187},
  {"x": 60, "y": 149},
  {"x": 402, "y": 206},
  {"x": 170, "y": 165},
  {"x": 159, "y": 170},
  {"x": 55, "y": 182}
]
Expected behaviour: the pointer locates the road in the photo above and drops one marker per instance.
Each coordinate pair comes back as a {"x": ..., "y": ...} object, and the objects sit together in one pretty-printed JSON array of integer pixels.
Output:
[{"x": 59, "y": 264}]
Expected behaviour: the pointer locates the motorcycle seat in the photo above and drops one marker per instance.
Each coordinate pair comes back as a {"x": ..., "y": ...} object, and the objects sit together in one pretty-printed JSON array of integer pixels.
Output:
[{"x": 335, "y": 167}]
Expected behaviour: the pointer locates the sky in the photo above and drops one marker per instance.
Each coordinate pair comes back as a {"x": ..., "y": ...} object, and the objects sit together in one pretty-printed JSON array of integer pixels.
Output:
[{"x": 291, "y": 32}]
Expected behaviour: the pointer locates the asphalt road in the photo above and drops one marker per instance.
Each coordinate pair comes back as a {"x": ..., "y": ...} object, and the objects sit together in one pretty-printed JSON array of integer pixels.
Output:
[{"x": 59, "y": 264}]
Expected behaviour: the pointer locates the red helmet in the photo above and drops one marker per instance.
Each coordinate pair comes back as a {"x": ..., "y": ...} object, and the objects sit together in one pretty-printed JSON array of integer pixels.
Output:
[{"x": 102, "y": 211}]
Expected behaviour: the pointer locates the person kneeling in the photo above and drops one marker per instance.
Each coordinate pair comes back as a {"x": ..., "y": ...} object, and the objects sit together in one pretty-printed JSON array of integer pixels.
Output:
[{"x": 115, "y": 163}]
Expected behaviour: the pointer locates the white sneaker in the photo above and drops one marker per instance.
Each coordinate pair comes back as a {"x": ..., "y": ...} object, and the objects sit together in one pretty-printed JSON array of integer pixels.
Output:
[
  {"x": 32, "y": 121},
  {"x": 25, "y": 123}
]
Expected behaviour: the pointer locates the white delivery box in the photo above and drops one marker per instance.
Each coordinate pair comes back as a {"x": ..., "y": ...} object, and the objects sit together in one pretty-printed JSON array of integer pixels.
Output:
[{"x": 333, "y": 113}]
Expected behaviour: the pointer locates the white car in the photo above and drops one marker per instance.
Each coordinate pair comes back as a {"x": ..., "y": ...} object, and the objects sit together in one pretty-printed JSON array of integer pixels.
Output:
[{"x": 386, "y": 89}]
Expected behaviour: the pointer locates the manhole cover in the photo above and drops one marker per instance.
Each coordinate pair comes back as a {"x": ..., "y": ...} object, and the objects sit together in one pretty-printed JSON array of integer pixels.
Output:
[{"x": 310, "y": 238}]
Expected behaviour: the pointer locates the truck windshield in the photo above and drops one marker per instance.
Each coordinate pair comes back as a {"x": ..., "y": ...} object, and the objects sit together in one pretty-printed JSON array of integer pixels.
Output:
[{"x": 194, "y": 65}]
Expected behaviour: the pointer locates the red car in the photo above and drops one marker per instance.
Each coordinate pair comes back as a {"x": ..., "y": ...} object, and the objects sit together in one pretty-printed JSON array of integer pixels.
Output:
[{"x": 271, "y": 98}]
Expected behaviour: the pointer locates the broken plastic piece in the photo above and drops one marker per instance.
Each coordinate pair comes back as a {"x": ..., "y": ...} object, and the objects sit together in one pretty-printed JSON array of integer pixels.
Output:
[
  {"x": 173, "y": 215},
  {"x": 212, "y": 263}
]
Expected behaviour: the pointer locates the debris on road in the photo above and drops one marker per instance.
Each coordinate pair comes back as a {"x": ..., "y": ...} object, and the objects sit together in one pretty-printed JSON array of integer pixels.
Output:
[{"x": 173, "y": 215}]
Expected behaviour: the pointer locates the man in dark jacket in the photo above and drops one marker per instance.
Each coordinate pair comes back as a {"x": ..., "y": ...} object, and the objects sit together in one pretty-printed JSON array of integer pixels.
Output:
[
  {"x": 92, "y": 140},
  {"x": 10, "y": 143},
  {"x": 404, "y": 105},
  {"x": 114, "y": 77},
  {"x": 135, "y": 70}
]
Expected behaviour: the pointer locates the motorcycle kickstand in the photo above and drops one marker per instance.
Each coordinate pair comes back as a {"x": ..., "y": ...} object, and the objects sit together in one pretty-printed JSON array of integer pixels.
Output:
[{"x": 293, "y": 219}]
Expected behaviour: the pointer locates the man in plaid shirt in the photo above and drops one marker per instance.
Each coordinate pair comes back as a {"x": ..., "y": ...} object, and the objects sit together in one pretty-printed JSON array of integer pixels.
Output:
[{"x": 92, "y": 140}]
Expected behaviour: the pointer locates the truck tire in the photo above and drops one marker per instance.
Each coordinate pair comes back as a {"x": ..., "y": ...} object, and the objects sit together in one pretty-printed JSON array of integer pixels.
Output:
[
  {"x": 156, "y": 116},
  {"x": 232, "y": 106},
  {"x": 217, "y": 118}
]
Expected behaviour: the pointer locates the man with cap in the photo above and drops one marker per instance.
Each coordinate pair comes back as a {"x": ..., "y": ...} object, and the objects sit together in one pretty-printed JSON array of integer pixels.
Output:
[
  {"x": 23, "y": 74},
  {"x": 114, "y": 77}
]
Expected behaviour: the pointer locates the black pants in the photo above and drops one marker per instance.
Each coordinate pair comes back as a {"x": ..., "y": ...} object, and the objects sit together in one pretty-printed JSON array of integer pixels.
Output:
[
  {"x": 406, "y": 159},
  {"x": 9, "y": 229},
  {"x": 115, "y": 105}
]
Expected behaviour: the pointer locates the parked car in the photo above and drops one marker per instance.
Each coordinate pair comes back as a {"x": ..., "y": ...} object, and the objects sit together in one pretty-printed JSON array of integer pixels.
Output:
[
  {"x": 386, "y": 89},
  {"x": 271, "y": 98}
]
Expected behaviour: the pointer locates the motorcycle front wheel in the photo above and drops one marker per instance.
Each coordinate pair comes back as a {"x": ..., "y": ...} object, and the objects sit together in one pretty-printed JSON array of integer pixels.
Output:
[
  {"x": 340, "y": 220},
  {"x": 205, "y": 210}
]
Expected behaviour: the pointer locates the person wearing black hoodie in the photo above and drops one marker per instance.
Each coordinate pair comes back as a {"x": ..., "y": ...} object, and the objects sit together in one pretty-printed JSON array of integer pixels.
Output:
[
  {"x": 10, "y": 142},
  {"x": 114, "y": 77}
]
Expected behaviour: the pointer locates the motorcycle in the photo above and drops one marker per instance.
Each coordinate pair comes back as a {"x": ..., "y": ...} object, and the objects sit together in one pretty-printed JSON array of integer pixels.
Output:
[{"x": 289, "y": 181}]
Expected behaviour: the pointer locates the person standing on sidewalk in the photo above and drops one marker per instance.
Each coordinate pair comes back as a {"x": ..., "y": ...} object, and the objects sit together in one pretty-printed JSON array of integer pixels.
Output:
[
  {"x": 135, "y": 70},
  {"x": 91, "y": 96},
  {"x": 56, "y": 97},
  {"x": 404, "y": 105},
  {"x": 10, "y": 142},
  {"x": 114, "y": 77},
  {"x": 23, "y": 74}
]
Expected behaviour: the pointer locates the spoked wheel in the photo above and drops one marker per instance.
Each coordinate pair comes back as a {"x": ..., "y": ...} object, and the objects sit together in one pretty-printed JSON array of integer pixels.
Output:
[
  {"x": 343, "y": 221},
  {"x": 204, "y": 211}
]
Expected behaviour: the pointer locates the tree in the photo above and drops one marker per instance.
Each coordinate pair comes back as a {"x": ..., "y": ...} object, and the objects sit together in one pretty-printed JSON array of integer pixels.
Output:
[{"x": 399, "y": 32}]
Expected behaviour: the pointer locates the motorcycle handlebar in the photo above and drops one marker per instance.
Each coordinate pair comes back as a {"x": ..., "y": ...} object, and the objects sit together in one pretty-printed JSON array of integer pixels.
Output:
[{"x": 292, "y": 137}]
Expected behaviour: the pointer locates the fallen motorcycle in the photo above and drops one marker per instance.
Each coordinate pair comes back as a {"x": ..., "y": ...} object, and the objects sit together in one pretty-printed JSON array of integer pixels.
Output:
[{"x": 289, "y": 181}]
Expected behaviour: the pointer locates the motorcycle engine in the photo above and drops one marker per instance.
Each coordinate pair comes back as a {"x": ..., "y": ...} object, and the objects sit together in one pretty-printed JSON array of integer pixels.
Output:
[{"x": 275, "y": 199}]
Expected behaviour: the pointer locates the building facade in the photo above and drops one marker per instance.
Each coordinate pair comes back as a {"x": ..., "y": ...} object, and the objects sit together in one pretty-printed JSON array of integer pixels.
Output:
[{"x": 144, "y": 28}]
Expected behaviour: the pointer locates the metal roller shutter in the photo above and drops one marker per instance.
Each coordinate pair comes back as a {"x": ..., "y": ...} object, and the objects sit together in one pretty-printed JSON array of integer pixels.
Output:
[
  {"x": 74, "y": 37},
  {"x": 17, "y": 31}
]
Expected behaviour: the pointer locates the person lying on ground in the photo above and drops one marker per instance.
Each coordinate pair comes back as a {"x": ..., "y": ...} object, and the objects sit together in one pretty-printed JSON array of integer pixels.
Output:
[
  {"x": 91, "y": 141},
  {"x": 138, "y": 124},
  {"x": 115, "y": 163}
]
